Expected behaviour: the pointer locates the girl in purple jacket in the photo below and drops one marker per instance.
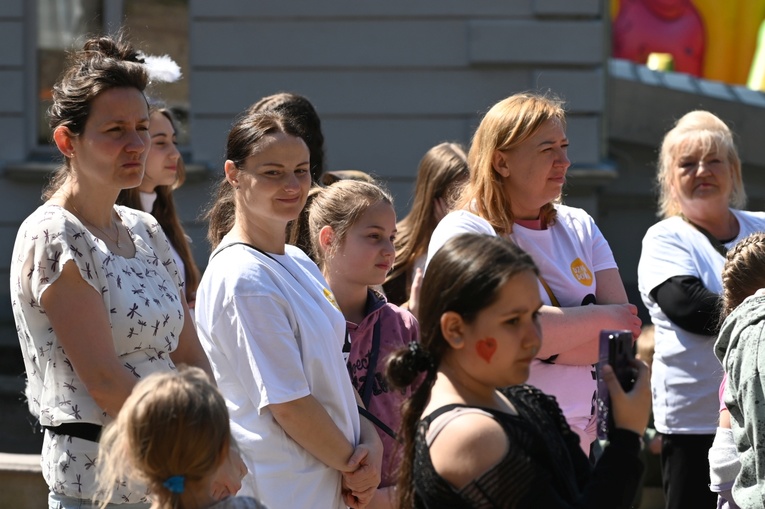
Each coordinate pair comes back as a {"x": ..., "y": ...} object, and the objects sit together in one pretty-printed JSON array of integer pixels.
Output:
[{"x": 352, "y": 226}]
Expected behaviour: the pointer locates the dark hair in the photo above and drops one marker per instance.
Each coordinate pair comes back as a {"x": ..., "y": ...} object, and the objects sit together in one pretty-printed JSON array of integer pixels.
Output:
[
  {"x": 465, "y": 276},
  {"x": 440, "y": 174},
  {"x": 102, "y": 64},
  {"x": 243, "y": 137},
  {"x": 300, "y": 110},
  {"x": 166, "y": 215},
  {"x": 744, "y": 271}
]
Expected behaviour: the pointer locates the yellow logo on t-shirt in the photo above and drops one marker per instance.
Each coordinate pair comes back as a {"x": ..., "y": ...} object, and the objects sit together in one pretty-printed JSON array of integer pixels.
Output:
[
  {"x": 331, "y": 298},
  {"x": 581, "y": 272}
]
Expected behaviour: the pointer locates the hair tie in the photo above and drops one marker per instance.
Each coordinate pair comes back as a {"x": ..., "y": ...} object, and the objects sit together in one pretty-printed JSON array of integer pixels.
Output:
[
  {"x": 419, "y": 359},
  {"x": 174, "y": 484}
]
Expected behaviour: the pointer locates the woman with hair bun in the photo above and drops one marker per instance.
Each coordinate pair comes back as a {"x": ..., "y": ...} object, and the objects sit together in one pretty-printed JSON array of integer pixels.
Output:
[{"x": 96, "y": 295}]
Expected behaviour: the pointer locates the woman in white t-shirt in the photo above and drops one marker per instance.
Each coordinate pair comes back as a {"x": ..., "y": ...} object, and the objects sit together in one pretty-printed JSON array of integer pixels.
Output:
[
  {"x": 680, "y": 280},
  {"x": 274, "y": 334},
  {"x": 518, "y": 165}
]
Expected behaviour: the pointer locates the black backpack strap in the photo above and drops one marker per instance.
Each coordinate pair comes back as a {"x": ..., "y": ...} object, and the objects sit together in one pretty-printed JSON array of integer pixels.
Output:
[
  {"x": 377, "y": 422},
  {"x": 373, "y": 356}
]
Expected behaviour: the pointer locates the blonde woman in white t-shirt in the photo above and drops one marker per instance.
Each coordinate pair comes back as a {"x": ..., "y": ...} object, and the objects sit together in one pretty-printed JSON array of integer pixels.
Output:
[
  {"x": 679, "y": 275},
  {"x": 518, "y": 162}
]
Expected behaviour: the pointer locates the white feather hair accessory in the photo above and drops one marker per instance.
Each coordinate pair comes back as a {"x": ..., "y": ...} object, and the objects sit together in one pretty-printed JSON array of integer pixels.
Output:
[{"x": 162, "y": 68}]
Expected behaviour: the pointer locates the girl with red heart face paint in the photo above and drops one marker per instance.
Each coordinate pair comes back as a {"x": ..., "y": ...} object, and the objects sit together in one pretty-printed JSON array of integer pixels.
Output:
[{"x": 475, "y": 445}]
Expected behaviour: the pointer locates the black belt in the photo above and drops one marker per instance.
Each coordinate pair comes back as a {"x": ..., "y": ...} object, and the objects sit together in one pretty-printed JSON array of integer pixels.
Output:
[{"x": 83, "y": 430}]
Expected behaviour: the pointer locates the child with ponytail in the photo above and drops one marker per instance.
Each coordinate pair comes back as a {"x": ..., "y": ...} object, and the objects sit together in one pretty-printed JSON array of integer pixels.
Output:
[
  {"x": 467, "y": 444},
  {"x": 352, "y": 227},
  {"x": 172, "y": 434}
]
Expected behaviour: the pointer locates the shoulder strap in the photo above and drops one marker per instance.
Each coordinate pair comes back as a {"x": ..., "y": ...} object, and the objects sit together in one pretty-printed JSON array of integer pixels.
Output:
[
  {"x": 549, "y": 291},
  {"x": 373, "y": 355},
  {"x": 446, "y": 414},
  {"x": 370, "y": 382},
  {"x": 377, "y": 422}
]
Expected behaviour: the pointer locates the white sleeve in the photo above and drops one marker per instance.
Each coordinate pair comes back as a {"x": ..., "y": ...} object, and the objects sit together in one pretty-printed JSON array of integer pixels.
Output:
[
  {"x": 602, "y": 256},
  {"x": 261, "y": 344},
  {"x": 664, "y": 255},
  {"x": 454, "y": 223},
  {"x": 54, "y": 242}
]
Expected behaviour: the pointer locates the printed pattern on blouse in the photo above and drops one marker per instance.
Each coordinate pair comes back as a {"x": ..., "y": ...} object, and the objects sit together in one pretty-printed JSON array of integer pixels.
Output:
[{"x": 140, "y": 294}]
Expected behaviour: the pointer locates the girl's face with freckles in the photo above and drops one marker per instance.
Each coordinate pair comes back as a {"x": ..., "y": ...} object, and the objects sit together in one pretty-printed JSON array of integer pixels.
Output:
[{"x": 497, "y": 347}]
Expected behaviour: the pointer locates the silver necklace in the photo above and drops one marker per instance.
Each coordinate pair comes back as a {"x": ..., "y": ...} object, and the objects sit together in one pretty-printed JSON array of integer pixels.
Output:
[{"x": 114, "y": 223}]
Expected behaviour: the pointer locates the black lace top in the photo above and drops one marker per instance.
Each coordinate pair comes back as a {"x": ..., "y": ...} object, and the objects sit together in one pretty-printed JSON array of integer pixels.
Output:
[{"x": 544, "y": 466}]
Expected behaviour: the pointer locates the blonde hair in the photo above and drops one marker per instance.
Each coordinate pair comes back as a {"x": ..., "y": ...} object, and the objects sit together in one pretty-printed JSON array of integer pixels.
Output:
[
  {"x": 506, "y": 125},
  {"x": 340, "y": 206},
  {"x": 744, "y": 271},
  {"x": 172, "y": 424},
  {"x": 706, "y": 131}
]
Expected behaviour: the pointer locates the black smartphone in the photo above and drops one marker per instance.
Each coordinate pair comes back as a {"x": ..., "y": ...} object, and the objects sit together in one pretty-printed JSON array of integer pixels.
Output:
[{"x": 616, "y": 350}]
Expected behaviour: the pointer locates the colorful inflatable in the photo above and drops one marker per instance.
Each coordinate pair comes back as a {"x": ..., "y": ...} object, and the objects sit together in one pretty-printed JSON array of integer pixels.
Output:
[{"x": 714, "y": 39}]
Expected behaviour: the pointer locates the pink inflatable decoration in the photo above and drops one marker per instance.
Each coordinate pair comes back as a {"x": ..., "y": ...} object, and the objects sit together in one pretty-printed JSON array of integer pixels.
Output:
[{"x": 660, "y": 26}]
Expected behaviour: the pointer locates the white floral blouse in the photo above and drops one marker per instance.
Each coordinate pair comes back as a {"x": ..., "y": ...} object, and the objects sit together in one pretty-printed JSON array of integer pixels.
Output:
[{"x": 141, "y": 295}]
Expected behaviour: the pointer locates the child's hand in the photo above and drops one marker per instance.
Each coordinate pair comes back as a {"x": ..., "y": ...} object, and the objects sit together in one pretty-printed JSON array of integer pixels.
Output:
[
  {"x": 631, "y": 410},
  {"x": 228, "y": 479}
]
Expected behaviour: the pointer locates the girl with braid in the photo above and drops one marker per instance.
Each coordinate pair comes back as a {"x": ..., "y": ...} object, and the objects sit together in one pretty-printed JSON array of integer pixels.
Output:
[{"x": 735, "y": 458}]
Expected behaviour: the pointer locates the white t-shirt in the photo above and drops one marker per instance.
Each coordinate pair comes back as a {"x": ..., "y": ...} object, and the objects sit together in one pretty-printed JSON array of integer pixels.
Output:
[
  {"x": 142, "y": 295},
  {"x": 568, "y": 254},
  {"x": 273, "y": 334},
  {"x": 686, "y": 375}
]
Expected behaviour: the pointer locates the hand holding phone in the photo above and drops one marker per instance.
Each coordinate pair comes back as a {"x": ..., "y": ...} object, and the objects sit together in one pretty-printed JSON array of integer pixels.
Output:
[{"x": 615, "y": 350}]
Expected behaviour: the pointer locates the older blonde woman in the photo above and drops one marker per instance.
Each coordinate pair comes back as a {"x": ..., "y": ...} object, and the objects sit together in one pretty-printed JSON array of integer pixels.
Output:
[
  {"x": 518, "y": 162},
  {"x": 679, "y": 275}
]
